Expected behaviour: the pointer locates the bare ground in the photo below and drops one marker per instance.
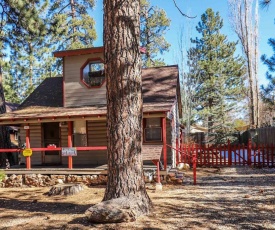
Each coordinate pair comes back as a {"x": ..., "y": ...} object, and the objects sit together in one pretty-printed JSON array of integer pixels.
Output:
[{"x": 230, "y": 198}]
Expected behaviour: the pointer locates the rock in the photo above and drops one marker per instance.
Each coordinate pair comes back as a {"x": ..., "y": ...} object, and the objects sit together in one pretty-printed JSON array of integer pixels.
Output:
[
  {"x": 65, "y": 189},
  {"x": 183, "y": 166},
  {"x": 158, "y": 187},
  {"x": 123, "y": 209},
  {"x": 59, "y": 181}
]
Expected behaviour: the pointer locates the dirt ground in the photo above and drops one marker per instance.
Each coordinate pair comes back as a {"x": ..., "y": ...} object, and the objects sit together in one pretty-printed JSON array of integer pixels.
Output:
[{"x": 230, "y": 198}]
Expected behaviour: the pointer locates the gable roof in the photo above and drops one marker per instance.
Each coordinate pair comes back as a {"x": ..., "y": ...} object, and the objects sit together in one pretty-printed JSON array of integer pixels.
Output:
[
  {"x": 47, "y": 94},
  {"x": 159, "y": 88},
  {"x": 11, "y": 106}
]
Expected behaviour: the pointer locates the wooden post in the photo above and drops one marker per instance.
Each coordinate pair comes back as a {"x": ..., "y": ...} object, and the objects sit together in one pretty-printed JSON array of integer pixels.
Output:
[
  {"x": 164, "y": 142},
  {"x": 249, "y": 147},
  {"x": 229, "y": 154},
  {"x": 195, "y": 168},
  {"x": 158, "y": 172},
  {"x": 28, "y": 145},
  {"x": 177, "y": 151},
  {"x": 70, "y": 143}
]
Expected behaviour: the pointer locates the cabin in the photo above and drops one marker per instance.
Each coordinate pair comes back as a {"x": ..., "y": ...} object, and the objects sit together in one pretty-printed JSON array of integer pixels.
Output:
[{"x": 63, "y": 121}]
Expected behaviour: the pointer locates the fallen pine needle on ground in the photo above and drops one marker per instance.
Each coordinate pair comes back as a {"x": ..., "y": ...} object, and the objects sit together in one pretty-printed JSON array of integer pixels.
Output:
[{"x": 226, "y": 198}]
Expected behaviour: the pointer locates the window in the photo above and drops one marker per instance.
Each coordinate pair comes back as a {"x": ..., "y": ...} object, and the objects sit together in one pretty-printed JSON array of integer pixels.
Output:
[
  {"x": 92, "y": 73},
  {"x": 152, "y": 131},
  {"x": 16, "y": 135},
  {"x": 80, "y": 133}
]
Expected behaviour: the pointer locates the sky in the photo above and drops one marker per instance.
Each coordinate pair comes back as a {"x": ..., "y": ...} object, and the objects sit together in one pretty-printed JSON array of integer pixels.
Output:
[{"x": 197, "y": 8}]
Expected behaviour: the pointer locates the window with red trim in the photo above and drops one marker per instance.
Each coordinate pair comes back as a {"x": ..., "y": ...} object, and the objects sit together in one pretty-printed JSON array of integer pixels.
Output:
[
  {"x": 92, "y": 73},
  {"x": 152, "y": 130}
]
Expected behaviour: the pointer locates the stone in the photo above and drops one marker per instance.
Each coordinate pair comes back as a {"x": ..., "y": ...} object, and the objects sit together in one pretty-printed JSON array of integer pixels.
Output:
[
  {"x": 65, "y": 189},
  {"x": 158, "y": 187},
  {"x": 59, "y": 181}
]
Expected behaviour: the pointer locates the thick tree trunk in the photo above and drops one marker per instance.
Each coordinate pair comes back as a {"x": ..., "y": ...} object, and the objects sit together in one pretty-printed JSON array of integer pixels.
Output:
[{"x": 125, "y": 193}]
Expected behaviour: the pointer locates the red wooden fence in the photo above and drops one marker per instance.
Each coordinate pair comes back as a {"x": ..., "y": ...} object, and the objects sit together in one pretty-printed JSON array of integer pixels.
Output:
[{"x": 228, "y": 155}]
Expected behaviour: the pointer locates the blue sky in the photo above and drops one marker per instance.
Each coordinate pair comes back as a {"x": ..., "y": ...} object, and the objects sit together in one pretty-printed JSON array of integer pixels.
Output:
[{"x": 197, "y": 8}]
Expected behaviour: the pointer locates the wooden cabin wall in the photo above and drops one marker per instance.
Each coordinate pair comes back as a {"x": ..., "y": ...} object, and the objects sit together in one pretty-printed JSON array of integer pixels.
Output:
[
  {"x": 96, "y": 136},
  {"x": 75, "y": 92},
  {"x": 35, "y": 142}
]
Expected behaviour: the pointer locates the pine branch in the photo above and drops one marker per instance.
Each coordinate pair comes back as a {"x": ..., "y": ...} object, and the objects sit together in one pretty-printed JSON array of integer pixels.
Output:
[{"x": 185, "y": 15}]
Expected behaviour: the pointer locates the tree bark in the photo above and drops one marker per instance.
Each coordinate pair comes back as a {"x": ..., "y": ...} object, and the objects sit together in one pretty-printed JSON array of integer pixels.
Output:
[{"x": 125, "y": 186}]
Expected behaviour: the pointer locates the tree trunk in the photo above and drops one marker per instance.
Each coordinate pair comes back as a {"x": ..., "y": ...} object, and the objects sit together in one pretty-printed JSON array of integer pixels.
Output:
[{"x": 125, "y": 194}]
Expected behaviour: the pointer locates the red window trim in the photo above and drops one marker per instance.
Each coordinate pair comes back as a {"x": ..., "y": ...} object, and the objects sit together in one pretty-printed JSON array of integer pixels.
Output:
[
  {"x": 144, "y": 126},
  {"x": 81, "y": 72}
]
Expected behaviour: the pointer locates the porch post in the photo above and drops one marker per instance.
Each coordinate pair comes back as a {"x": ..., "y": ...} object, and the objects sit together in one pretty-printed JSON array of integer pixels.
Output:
[
  {"x": 177, "y": 151},
  {"x": 70, "y": 143},
  {"x": 28, "y": 145},
  {"x": 164, "y": 142}
]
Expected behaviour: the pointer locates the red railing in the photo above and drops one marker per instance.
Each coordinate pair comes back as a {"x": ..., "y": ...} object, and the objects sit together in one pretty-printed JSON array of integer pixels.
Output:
[
  {"x": 192, "y": 160},
  {"x": 229, "y": 154}
]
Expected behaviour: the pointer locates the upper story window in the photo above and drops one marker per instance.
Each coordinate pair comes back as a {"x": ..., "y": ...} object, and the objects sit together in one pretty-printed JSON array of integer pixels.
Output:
[{"x": 92, "y": 73}]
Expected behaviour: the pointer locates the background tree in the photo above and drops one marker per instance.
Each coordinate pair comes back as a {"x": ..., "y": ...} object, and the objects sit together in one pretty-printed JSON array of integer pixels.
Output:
[
  {"x": 125, "y": 193},
  {"x": 154, "y": 24},
  {"x": 268, "y": 92},
  {"x": 16, "y": 17},
  {"x": 245, "y": 22},
  {"x": 71, "y": 24},
  {"x": 189, "y": 75},
  {"x": 220, "y": 78},
  {"x": 265, "y": 3},
  {"x": 11, "y": 86}
]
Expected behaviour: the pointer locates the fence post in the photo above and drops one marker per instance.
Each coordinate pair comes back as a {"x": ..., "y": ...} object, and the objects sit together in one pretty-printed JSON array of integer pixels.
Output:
[
  {"x": 249, "y": 147},
  {"x": 195, "y": 168},
  {"x": 229, "y": 153}
]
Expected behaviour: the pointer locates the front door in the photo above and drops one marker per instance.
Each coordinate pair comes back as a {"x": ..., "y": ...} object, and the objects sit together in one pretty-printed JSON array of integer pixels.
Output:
[{"x": 51, "y": 138}]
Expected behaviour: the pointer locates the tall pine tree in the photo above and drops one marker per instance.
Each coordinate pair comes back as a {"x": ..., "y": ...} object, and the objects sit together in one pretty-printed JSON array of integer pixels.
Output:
[
  {"x": 71, "y": 23},
  {"x": 153, "y": 24},
  {"x": 13, "y": 16},
  {"x": 268, "y": 92},
  {"x": 27, "y": 45},
  {"x": 220, "y": 82}
]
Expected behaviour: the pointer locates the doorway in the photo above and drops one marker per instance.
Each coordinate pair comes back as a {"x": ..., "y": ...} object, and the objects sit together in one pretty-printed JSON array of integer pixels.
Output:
[{"x": 51, "y": 134}]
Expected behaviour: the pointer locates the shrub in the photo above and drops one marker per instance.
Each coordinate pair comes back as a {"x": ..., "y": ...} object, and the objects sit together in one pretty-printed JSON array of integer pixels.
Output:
[{"x": 2, "y": 175}]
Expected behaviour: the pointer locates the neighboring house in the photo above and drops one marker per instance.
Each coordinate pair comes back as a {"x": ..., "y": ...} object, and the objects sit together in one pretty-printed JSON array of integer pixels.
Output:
[
  {"x": 75, "y": 104},
  {"x": 10, "y": 107}
]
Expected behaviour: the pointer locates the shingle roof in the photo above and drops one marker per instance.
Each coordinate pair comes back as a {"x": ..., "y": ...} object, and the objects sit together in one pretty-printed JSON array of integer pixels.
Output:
[
  {"x": 47, "y": 94},
  {"x": 159, "y": 87},
  {"x": 159, "y": 84}
]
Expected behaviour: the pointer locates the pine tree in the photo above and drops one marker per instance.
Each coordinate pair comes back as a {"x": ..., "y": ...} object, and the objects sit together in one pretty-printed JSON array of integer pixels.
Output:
[
  {"x": 16, "y": 17},
  {"x": 220, "y": 82},
  {"x": 268, "y": 92},
  {"x": 71, "y": 24},
  {"x": 126, "y": 186},
  {"x": 154, "y": 24},
  {"x": 27, "y": 45},
  {"x": 10, "y": 85}
]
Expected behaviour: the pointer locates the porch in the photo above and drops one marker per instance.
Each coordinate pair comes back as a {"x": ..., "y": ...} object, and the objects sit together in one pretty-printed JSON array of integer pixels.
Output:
[{"x": 77, "y": 170}]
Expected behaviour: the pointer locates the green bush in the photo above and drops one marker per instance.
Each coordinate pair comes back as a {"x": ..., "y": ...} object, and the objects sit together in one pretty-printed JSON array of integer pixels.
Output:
[{"x": 2, "y": 175}]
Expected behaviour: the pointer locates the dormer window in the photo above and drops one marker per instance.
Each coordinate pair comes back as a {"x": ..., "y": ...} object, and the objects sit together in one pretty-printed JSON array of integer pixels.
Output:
[{"x": 92, "y": 73}]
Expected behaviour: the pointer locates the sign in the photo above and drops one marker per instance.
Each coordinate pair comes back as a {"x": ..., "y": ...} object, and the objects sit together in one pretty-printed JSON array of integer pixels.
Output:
[
  {"x": 26, "y": 127},
  {"x": 27, "y": 152},
  {"x": 68, "y": 152}
]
